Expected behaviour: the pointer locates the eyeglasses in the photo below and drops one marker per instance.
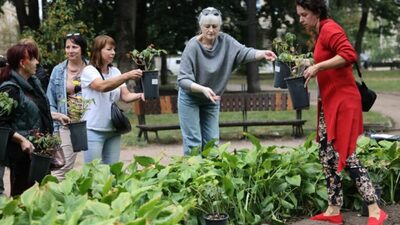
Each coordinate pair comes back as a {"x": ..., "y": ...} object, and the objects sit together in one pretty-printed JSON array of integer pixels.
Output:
[
  {"x": 73, "y": 34},
  {"x": 215, "y": 12}
]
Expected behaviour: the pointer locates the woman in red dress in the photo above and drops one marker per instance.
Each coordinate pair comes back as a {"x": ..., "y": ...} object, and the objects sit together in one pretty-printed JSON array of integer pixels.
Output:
[{"x": 340, "y": 119}]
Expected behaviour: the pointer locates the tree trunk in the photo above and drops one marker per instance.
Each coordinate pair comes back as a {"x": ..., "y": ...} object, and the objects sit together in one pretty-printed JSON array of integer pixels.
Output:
[
  {"x": 141, "y": 32},
  {"x": 362, "y": 26},
  {"x": 21, "y": 14},
  {"x": 126, "y": 26},
  {"x": 27, "y": 19},
  {"x": 33, "y": 14},
  {"x": 253, "y": 80}
]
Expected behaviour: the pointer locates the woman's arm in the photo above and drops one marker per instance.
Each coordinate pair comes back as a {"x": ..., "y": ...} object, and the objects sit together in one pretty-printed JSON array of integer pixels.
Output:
[
  {"x": 110, "y": 84},
  {"x": 25, "y": 144},
  {"x": 127, "y": 96},
  {"x": 265, "y": 54},
  {"x": 334, "y": 62},
  {"x": 63, "y": 119}
]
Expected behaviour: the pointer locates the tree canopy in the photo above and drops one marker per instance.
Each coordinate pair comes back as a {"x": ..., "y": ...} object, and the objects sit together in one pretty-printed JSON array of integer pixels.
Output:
[{"x": 170, "y": 23}]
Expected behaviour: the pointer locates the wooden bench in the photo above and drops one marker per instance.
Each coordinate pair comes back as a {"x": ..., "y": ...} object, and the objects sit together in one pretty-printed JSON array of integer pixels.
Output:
[
  {"x": 392, "y": 65},
  {"x": 230, "y": 102}
]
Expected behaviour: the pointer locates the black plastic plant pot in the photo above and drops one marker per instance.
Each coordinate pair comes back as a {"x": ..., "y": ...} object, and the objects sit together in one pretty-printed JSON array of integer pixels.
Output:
[
  {"x": 40, "y": 167},
  {"x": 216, "y": 219},
  {"x": 281, "y": 71},
  {"x": 378, "y": 192},
  {"x": 298, "y": 93},
  {"x": 78, "y": 136},
  {"x": 150, "y": 84},
  {"x": 4, "y": 132}
]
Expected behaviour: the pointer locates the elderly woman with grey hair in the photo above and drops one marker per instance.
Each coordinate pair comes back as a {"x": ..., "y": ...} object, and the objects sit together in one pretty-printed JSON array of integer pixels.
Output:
[{"x": 206, "y": 66}]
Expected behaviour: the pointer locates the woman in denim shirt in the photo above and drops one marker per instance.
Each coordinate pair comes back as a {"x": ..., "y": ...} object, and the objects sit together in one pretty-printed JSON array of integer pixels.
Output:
[{"x": 63, "y": 87}]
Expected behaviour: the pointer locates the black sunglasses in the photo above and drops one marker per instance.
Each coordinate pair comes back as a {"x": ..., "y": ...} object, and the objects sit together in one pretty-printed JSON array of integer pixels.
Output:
[
  {"x": 215, "y": 12},
  {"x": 72, "y": 34}
]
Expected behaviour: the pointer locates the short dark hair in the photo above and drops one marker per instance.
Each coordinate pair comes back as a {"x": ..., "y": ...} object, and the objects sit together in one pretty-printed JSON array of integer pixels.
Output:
[
  {"x": 78, "y": 40},
  {"x": 315, "y": 6}
]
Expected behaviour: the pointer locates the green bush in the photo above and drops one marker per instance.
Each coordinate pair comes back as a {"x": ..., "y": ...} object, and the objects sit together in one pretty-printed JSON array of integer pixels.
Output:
[
  {"x": 52, "y": 32},
  {"x": 255, "y": 185}
]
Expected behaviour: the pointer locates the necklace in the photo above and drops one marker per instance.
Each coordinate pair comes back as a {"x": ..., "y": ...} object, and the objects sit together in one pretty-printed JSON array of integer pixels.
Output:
[{"x": 75, "y": 70}]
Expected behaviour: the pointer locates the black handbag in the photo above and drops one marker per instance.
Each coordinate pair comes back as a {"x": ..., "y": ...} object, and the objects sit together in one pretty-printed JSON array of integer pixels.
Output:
[
  {"x": 368, "y": 96},
  {"x": 118, "y": 119}
]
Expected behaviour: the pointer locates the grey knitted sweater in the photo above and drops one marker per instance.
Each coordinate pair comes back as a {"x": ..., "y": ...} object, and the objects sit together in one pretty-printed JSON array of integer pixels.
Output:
[{"x": 212, "y": 67}]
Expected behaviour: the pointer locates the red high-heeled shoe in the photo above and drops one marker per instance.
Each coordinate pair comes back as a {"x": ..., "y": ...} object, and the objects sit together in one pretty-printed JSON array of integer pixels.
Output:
[
  {"x": 374, "y": 221},
  {"x": 336, "y": 219}
]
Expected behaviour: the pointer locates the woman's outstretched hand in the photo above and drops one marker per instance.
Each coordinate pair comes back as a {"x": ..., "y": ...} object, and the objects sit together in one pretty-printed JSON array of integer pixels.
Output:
[
  {"x": 135, "y": 74},
  {"x": 269, "y": 55}
]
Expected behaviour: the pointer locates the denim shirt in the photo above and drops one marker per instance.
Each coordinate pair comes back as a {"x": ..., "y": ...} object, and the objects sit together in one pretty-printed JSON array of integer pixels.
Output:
[{"x": 57, "y": 91}]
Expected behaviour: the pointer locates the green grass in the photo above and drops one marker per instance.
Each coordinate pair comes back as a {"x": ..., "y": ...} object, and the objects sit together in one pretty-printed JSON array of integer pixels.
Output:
[{"x": 174, "y": 136}]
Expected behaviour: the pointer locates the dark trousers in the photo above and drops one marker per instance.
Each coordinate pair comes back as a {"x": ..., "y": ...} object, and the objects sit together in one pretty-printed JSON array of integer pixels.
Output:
[{"x": 19, "y": 170}]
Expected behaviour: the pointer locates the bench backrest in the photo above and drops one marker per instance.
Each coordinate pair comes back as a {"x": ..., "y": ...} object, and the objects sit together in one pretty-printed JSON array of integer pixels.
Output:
[{"x": 230, "y": 102}]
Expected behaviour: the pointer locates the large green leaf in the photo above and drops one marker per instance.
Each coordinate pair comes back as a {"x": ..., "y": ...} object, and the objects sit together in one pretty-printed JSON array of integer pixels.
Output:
[
  {"x": 121, "y": 203},
  {"x": 10, "y": 208},
  {"x": 294, "y": 180},
  {"x": 7, "y": 220},
  {"x": 308, "y": 188},
  {"x": 99, "y": 209},
  {"x": 144, "y": 161}
]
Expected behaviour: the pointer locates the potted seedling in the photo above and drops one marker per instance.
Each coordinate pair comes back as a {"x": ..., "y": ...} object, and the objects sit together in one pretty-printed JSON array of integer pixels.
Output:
[
  {"x": 211, "y": 202},
  {"x": 284, "y": 48},
  {"x": 45, "y": 145},
  {"x": 295, "y": 82},
  {"x": 77, "y": 106},
  {"x": 145, "y": 60},
  {"x": 6, "y": 106}
]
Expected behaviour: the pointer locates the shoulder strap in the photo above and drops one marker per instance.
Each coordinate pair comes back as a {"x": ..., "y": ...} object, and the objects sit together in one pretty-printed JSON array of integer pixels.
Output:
[
  {"x": 98, "y": 69},
  {"x": 358, "y": 70}
]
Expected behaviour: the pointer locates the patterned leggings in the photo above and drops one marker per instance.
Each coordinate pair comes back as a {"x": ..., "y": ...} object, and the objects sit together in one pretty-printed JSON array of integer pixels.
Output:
[{"x": 329, "y": 160}]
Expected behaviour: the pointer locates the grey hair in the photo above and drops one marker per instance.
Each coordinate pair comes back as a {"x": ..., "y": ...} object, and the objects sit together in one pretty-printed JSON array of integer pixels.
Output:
[{"x": 210, "y": 18}]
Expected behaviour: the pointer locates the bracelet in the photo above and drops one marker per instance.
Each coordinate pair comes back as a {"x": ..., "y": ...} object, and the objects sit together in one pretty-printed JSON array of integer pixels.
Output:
[{"x": 77, "y": 89}]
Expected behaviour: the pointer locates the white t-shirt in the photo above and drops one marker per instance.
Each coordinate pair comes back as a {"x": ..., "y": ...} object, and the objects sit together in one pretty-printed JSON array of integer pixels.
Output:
[{"x": 98, "y": 116}]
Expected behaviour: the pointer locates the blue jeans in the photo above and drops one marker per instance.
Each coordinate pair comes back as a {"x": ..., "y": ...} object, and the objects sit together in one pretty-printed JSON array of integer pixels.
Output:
[
  {"x": 104, "y": 145},
  {"x": 199, "y": 120}
]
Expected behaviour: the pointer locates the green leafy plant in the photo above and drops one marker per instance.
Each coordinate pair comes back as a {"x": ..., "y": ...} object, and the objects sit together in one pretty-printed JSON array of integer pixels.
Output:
[
  {"x": 262, "y": 184},
  {"x": 287, "y": 53},
  {"x": 284, "y": 46},
  {"x": 211, "y": 199},
  {"x": 6, "y": 104},
  {"x": 77, "y": 106},
  {"x": 144, "y": 59},
  {"x": 44, "y": 144}
]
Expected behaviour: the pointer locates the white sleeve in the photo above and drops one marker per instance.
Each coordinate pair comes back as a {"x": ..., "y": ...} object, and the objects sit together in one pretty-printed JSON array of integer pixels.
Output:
[{"x": 89, "y": 74}]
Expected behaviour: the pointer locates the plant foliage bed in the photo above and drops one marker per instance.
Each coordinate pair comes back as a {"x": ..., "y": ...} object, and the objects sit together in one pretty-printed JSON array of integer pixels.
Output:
[{"x": 253, "y": 186}]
